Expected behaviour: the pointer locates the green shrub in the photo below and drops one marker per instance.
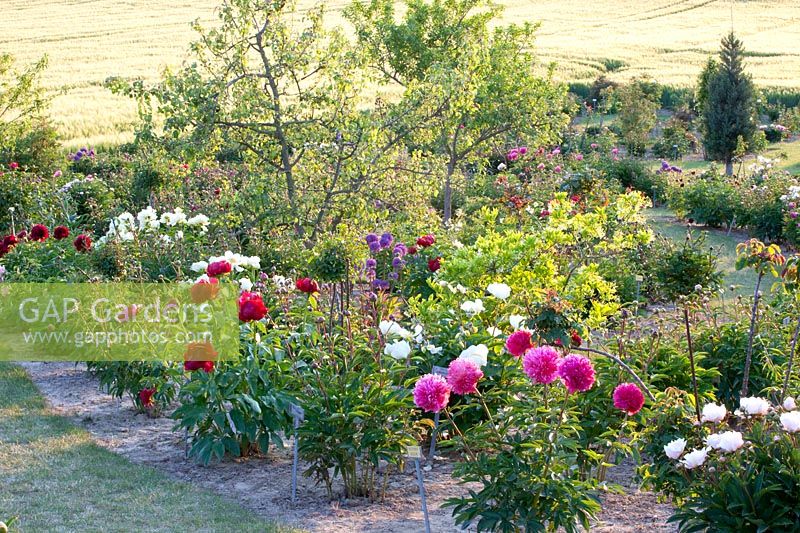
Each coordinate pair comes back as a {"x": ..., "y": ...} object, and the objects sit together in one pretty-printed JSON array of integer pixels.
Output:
[
  {"x": 676, "y": 141},
  {"x": 635, "y": 174}
]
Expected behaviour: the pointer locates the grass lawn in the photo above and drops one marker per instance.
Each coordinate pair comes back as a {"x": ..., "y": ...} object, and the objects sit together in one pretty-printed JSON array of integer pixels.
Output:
[
  {"x": 55, "y": 478},
  {"x": 724, "y": 246}
]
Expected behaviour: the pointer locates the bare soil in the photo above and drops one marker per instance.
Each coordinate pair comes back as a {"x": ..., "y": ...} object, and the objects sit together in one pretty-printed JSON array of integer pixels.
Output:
[{"x": 263, "y": 484}]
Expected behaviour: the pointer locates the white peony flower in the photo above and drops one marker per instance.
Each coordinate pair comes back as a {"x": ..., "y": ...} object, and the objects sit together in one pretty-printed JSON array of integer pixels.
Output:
[
  {"x": 199, "y": 266},
  {"x": 198, "y": 220},
  {"x": 791, "y": 421},
  {"x": 398, "y": 350},
  {"x": 390, "y": 328},
  {"x": 245, "y": 284},
  {"x": 473, "y": 307},
  {"x": 493, "y": 331},
  {"x": 714, "y": 413},
  {"x": 499, "y": 290},
  {"x": 675, "y": 448},
  {"x": 694, "y": 458},
  {"x": 789, "y": 404},
  {"x": 729, "y": 441},
  {"x": 516, "y": 321},
  {"x": 712, "y": 441},
  {"x": 478, "y": 354},
  {"x": 754, "y": 405},
  {"x": 148, "y": 219},
  {"x": 432, "y": 349}
]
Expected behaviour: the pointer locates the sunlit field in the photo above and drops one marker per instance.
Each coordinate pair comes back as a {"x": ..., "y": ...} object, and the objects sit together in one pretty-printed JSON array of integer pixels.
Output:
[{"x": 88, "y": 41}]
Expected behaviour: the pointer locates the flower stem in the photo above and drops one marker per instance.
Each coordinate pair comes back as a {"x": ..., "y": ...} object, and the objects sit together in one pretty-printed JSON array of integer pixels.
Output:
[
  {"x": 691, "y": 361},
  {"x": 749, "y": 360}
]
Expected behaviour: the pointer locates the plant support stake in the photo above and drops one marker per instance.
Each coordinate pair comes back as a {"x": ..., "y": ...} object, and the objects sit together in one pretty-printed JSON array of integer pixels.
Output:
[
  {"x": 298, "y": 414},
  {"x": 415, "y": 452},
  {"x": 439, "y": 371}
]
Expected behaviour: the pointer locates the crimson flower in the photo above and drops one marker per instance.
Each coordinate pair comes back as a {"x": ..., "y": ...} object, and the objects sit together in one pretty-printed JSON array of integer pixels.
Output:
[
  {"x": 307, "y": 285},
  {"x": 39, "y": 232},
  {"x": 575, "y": 338},
  {"x": 82, "y": 243},
  {"x": 146, "y": 397},
  {"x": 199, "y": 356},
  {"x": 61, "y": 232},
  {"x": 218, "y": 268},
  {"x": 412, "y": 250},
  {"x": 629, "y": 398},
  {"x": 519, "y": 342},
  {"x": 426, "y": 240},
  {"x": 251, "y": 307},
  {"x": 435, "y": 264}
]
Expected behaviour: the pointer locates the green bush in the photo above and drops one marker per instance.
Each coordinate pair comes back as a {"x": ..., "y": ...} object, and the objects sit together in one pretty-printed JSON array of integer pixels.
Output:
[
  {"x": 636, "y": 175},
  {"x": 676, "y": 141}
]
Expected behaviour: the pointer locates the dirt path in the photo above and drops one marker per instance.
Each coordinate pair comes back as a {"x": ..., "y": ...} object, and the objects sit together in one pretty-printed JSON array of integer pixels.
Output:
[{"x": 263, "y": 484}]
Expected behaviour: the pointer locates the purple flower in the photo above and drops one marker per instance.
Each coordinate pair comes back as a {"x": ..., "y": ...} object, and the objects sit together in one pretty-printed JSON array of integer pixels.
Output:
[
  {"x": 386, "y": 240},
  {"x": 398, "y": 263},
  {"x": 374, "y": 247},
  {"x": 793, "y": 215},
  {"x": 394, "y": 276},
  {"x": 370, "y": 238},
  {"x": 556, "y": 150},
  {"x": 371, "y": 263},
  {"x": 380, "y": 285},
  {"x": 522, "y": 150},
  {"x": 676, "y": 169},
  {"x": 400, "y": 249},
  {"x": 629, "y": 398},
  {"x": 664, "y": 165},
  {"x": 513, "y": 155}
]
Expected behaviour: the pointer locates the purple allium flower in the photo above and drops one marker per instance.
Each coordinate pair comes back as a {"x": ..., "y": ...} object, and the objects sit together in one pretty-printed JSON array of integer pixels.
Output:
[
  {"x": 394, "y": 276},
  {"x": 793, "y": 214},
  {"x": 541, "y": 364},
  {"x": 676, "y": 169},
  {"x": 463, "y": 376},
  {"x": 578, "y": 157},
  {"x": 386, "y": 240},
  {"x": 374, "y": 247},
  {"x": 577, "y": 373},
  {"x": 557, "y": 169},
  {"x": 380, "y": 285},
  {"x": 398, "y": 263},
  {"x": 370, "y": 238},
  {"x": 370, "y": 263},
  {"x": 556, "y": 150},
  {"x": 431, "y": 393},
  {"x": 400, "y": 249},
  {"x": 614, "y": 151},
  {"x": 629, "y": 398},
  {"x": 519, "y": 342},
  {"x": 664, "y": 165}
]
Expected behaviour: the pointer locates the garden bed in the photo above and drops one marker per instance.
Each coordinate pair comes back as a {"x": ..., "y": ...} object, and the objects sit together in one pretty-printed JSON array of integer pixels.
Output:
[{"x": 263, "y": 483}]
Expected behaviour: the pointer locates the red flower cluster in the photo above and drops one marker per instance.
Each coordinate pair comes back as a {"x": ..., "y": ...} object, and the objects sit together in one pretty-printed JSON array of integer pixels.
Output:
[
  {"x": 218, "y": 268},
  {"x": 8, "y": 243},
  {"x": 435, "y": 264},
  {"x": 251, "y": 307},
  {"x": 146, "y": 397},
  {"x": 82, "y": 243},
  {"x": 307, "y": 285},
  {"x": 205, "y": 366},
  {"x": 412, "y": 250},
  {"x": 61, "y": 232},
  {"x": 426, "y": 240},
  {"x": 204, "y": 290},
  {"x": 39, "y": 232}
]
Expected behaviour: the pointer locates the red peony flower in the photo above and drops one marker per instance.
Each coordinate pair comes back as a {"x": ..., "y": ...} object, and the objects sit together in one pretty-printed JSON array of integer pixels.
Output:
[
  {"x": 426, "y": 240},
  {"x": 199, "y": 356},
  {"x": 10, "y": 240},
  {"x": 39, "y": 232},
  {"x": 61, "y": 232},
  {"x": 575, "y": 339},
  {"x": 204, "y": 290},
  {"x": 435, "y": 264},
  {"x": 13, "y": 165},
  {"x": 412, "y": 250},
  {"x": 218, "y": 268},
  {"x": 251, "y": 307},
  {"x": 575, "y": 198},
  {"x": 544, "y": 213},
  {"x": 519, "y": 342},
  {"x": 146, "y": 397},
  {"x": 629, "y": 398},
  {"x": 82, "y": 243},
  {"x": 307, "y": 285},
  {"x": 22, "y": 235}
]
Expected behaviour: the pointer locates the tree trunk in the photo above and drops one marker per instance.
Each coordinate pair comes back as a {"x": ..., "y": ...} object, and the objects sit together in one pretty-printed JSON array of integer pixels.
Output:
[
  {"x": 729, "y": 167},
  {"x": 448, "y": 191}
]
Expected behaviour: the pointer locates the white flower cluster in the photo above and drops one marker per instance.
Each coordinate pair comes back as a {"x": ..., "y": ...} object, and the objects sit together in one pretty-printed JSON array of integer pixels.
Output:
[
  {"x": 792, "y": 195},
  {"x": 401, "y": 338},
  {"x": 70, "y": 184},
  {"x": 730, "y": 441},
  {"x": 125, "y": 227},
  {"x": 238, "y": 262}
]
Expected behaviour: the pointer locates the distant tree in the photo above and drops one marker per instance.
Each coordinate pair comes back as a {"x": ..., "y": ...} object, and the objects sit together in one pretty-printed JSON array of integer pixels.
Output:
[
  {"x": 729, "y": 113},
  {"x": 637, "y": 103},
  {"x": 22, "y": 100},
  {"x": 701, "y": 92},
  {"x": 478, "y": 84}
]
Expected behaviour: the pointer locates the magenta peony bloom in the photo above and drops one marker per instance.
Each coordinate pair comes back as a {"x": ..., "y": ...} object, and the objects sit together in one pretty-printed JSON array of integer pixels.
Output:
[
  {"x": 463, "y": 376},
  {"x": 431, "y": 393},
  {"x": 577, "y": 373},
  {"x": 519, "y": 342},
  {"x": 541, "y": 364},
  {"x": 628, "y": 398}
]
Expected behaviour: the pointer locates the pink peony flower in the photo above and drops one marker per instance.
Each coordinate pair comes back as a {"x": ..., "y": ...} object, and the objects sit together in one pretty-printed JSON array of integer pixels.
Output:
[
  {"x": 519, "y": 342},
  {"x": 577, "y": 373},
  {"x": 431, "y": 393},
  {"x": 541, "y": 364},
  {"x": 628, "y": 398},
  {"x": 463, "y": 376}
]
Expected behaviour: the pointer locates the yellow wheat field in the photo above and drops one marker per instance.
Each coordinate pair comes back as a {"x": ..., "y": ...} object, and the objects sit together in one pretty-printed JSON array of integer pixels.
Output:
[{"x": 89, "y": 40}]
